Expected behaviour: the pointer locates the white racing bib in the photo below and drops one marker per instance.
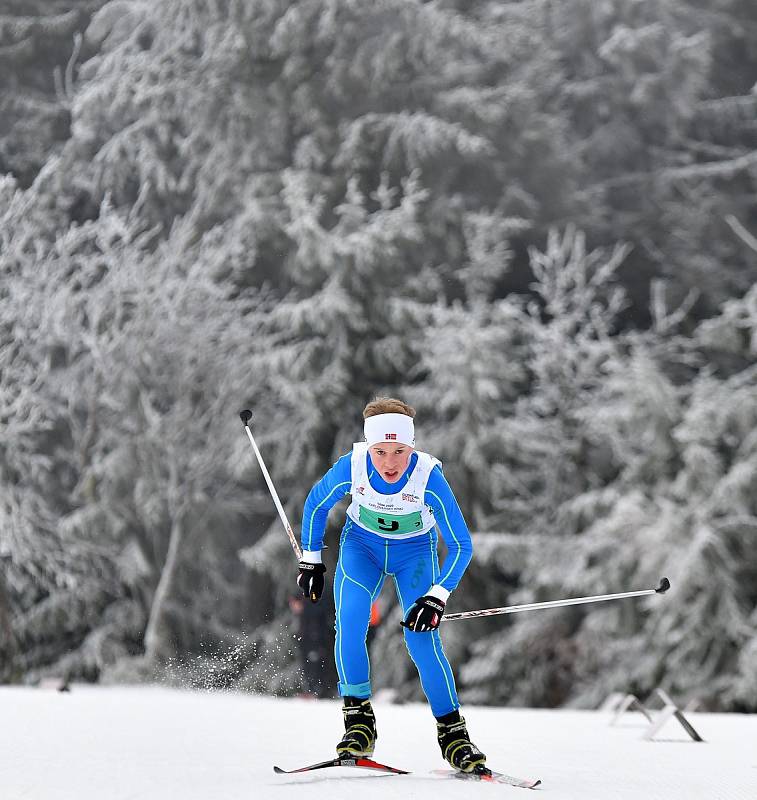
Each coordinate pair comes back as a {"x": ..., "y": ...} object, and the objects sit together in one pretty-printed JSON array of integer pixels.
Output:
[{"x": 393, "y": 516}]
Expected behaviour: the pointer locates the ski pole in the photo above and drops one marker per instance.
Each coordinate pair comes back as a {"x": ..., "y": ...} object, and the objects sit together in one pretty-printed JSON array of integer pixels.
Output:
[
  {"x": 246, "y": 416},
  {"x": 575, "y": 601}
]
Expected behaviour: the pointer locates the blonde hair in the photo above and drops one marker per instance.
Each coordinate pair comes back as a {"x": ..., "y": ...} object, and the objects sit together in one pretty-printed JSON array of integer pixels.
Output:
[{"x": 387, "y": 405}]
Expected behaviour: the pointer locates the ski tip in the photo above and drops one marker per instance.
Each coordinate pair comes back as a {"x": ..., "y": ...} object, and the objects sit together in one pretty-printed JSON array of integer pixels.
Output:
[{"x": 279, "y": 771}]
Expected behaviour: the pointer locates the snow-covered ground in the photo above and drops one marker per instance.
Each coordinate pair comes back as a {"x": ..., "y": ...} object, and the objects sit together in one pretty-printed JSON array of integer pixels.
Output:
[{"x": 144, "y": 743}]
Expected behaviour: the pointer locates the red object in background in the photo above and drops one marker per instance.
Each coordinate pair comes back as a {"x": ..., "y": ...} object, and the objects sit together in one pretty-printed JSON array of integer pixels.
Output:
[{"x": 375, "y": 614}]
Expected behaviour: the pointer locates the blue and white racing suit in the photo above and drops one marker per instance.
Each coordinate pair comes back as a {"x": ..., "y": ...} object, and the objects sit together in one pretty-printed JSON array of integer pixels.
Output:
[{"x": 374, "y": 544}]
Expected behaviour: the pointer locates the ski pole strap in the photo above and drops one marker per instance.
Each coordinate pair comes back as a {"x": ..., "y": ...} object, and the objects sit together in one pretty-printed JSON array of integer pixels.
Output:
[
  {"x": 574, "y": 601},
  {"x": 272, "y": 488}
]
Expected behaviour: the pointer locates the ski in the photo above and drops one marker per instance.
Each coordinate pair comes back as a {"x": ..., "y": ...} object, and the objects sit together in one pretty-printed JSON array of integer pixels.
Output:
[
  {"x": 368, "y": 763},
  {"x": 361, "y": 763},
  {"x": 491, "y": 777}
]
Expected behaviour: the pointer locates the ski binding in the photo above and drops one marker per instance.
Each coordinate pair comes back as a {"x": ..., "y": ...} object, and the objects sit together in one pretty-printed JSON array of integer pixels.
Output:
[{"x": 490, "y": 776}]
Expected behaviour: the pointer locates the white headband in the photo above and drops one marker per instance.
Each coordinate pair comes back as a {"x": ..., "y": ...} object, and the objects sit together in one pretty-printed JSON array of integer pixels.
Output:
[{"x": 397, "y": 428}]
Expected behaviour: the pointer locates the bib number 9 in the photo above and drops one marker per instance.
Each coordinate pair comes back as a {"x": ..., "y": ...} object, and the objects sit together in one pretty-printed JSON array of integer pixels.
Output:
[{"x": 381, "y": 522}]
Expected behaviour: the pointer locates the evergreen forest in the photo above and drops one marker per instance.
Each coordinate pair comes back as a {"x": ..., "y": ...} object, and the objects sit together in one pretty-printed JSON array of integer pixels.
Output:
[{"x": 533, "y": 220}]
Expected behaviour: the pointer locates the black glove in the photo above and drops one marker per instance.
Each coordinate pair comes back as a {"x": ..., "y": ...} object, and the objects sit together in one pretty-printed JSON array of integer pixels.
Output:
[
  {"x": 311, "y": 580},
  {"x": 424, "y": 614}
]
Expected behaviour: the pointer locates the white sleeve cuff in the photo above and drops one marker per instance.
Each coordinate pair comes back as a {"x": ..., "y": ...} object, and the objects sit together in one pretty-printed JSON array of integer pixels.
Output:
[
  {"x": 439, "y": 592},
  {"x": 312, "y": 556}
]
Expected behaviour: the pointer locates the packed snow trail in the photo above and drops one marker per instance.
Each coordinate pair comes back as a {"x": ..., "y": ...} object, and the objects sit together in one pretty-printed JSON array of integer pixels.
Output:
[{"x": 160, "y": 744}]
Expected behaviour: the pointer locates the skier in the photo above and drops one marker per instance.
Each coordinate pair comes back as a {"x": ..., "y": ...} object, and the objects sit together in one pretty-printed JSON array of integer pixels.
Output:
[{"x": 399, "y": 497}]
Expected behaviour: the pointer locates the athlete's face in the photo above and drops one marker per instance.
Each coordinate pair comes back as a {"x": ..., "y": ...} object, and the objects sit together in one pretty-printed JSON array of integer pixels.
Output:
[{"x": 390, "y": 460}]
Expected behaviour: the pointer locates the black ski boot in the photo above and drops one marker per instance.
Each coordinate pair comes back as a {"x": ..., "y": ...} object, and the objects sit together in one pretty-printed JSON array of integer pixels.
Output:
[
  {"x": 359, "y": 728},
  {"x": 456, "y": 745}
]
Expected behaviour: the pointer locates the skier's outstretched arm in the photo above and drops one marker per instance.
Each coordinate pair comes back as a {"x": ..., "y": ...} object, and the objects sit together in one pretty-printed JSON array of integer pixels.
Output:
[{"x": 329, "y": 490}]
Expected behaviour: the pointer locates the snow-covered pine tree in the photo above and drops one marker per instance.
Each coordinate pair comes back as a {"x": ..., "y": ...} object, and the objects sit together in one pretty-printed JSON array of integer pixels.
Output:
[
  {"x": 644, "y": 93},
  {"x": 122, "y": 411},
  {"x": 567, "y": 344}
]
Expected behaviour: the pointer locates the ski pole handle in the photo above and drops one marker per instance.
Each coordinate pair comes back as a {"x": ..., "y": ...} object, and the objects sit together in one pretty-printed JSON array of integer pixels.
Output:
[
  {"x": 246, "y": 416},
  {"x": 575, "y": 601}
]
